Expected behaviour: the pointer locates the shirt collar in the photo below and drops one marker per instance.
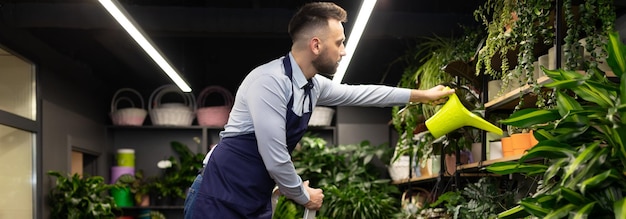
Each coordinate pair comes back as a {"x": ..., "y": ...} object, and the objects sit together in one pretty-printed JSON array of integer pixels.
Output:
[{"x": 297, "y": 74}]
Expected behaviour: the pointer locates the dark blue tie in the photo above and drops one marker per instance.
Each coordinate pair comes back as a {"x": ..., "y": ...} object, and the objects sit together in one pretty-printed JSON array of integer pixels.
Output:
[{"x": 307, "y": 93}]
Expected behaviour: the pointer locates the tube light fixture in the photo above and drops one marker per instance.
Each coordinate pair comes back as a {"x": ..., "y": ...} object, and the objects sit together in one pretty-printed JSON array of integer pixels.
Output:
[
  {"x": 122, "y": 17},
  {"x": 353, "y": 40}
]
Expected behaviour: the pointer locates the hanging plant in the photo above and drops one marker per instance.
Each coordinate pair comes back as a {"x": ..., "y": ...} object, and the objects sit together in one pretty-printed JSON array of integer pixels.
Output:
[
  {"x": 534, "y": 30},
  {"x": 499, "y": 18},
  {"x": 597, "y": 17}
]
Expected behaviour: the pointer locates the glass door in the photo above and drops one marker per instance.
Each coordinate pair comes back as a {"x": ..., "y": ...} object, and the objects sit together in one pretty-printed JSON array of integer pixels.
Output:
[{"x": 19, "y": 126}]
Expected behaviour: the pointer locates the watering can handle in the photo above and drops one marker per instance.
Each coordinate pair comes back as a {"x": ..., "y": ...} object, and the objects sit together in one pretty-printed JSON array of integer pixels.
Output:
[{"x": 309, "y": 214}]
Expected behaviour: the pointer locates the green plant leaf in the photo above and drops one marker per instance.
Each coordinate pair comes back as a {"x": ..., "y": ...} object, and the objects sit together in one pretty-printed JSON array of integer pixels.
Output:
[
  {"x": 623, "y": 97},
  {"x": 604, "y": 178},
  {"x": 528, "y": 117},
  {"x": 566, "y": 103},
  {"x": 553, "y": 74},
  {"x": 581, "y": 159},
  {"x": 564, "y": 84},
  {"x": 555, "y": 168},
  {"x": 617, "y": 54},
  {"x": 619, "y": 208},
  {"x": 619, "y": 140},
  {"x": 572, "y": 196},
  {"x": 604, "y": 85},
  {"x": 586, "y": 169},
  {"x": 594, "y": 95},
  {"x": 515, "y": 212},
  {"x": 542, "y": 135},
  {"x": 534, "y": 209},
  {"x": 561, "y": 212},
  {"x": 548, "y": 149},
  {"x": 504, "y": 168},
  {"x": 583, "y": 212}
]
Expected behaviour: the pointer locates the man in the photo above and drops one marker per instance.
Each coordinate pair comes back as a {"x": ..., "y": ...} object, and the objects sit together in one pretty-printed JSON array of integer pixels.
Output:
[{"x": 270, "y": 115}]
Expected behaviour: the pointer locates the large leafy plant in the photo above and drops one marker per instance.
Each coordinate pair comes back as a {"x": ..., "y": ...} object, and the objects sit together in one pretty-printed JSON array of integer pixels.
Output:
[
  {"x": 583, "y": 142},
  {"x": 482, "y": 199},
  {"x": 351, "y": 182},
  {"x": 76, "y": 197}
]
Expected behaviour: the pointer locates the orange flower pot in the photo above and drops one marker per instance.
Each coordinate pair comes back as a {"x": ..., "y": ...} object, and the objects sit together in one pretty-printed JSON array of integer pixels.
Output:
[
  {"x": 533, "y": 140},
  {"x": 507, "y": 146},
  {"x": 521, "y": 141}
]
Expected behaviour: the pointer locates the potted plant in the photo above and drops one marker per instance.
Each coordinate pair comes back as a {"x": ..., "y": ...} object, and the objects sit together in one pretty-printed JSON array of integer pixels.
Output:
[
  {"x": 138, "y": 185},
  {"x": 178, "y": 174},
  {"x": 78, "y": 197},
  {"x": 582, "y": 141}
]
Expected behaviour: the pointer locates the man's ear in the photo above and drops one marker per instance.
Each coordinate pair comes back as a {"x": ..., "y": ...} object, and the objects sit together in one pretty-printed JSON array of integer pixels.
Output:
[{"x": 315, "y": 44}]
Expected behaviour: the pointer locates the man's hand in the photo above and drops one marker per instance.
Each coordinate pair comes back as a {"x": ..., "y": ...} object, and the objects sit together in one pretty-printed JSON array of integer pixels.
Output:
[
  {"x": 434, "y": 96},
  {"x": 316, "y": 197}
]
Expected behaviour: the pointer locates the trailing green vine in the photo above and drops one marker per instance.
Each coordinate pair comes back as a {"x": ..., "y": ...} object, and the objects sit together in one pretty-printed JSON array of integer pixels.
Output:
[{"x": 498, "y": 16}]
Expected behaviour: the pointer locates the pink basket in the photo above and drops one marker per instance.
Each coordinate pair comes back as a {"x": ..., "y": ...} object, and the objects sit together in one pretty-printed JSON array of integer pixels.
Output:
[
  {"x": 130, "y": 116},
  {"x": 214, "y": 115}
]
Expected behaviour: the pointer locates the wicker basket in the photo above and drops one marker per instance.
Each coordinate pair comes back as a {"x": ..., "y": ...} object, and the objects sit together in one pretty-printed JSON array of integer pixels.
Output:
[
  {"x": 171, "y": 114},
  {"x": 322, "y": 116},
  {"x": 214, "y": 115},
  {"x": 415, "y": 198},
  {"x": 130, "y": 116}
]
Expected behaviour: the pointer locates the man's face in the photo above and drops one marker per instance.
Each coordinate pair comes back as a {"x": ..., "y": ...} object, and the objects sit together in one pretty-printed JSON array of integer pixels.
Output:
[{"x": 332, "y": 49}]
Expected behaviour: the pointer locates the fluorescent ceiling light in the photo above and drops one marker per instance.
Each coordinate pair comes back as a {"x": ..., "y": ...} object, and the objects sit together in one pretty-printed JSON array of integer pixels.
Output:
[
  {"x": 353, "y": 39},
  {"x": 118, "y": 12}
]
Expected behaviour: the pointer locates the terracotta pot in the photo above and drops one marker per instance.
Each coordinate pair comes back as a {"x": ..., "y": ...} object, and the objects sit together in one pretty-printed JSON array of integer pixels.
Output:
[
  {"x": 521, "y": 141},
  {"x": 507, "y": 146},
  {"x": 451, "y": 161},
  {"x": 533, "y": 140}
]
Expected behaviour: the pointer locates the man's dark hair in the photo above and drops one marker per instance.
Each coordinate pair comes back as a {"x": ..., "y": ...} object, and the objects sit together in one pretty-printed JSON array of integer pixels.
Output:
[{"x": 315, "y": 14}]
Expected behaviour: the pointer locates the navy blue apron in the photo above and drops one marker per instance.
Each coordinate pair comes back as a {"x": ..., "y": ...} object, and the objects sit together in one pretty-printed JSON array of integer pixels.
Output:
[{"x": 235, "y": 182}]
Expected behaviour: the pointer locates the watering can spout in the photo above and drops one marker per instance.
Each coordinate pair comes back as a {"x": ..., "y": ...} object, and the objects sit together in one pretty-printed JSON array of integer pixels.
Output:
[{"x": 454, "y": 115}]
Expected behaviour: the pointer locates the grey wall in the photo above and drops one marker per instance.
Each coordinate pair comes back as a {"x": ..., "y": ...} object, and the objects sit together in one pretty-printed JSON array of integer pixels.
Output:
[{"x": 356, "y": 124}]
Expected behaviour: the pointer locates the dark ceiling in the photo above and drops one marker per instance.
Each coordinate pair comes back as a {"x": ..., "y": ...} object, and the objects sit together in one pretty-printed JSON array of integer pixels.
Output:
[{"x": 217, "y": 42}]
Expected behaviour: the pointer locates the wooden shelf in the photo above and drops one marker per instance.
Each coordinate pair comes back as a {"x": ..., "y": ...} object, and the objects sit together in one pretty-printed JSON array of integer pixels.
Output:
[
  {"x": 481, "y": 164},
  {"x": 424, "y": 178},
  {"x": 508, "y": 100},
  {"x": 471, "y": 166}
]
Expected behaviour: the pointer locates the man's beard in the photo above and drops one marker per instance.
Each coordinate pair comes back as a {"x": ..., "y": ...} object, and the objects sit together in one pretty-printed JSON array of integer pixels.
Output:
[{"x": 324, "y": 65}]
